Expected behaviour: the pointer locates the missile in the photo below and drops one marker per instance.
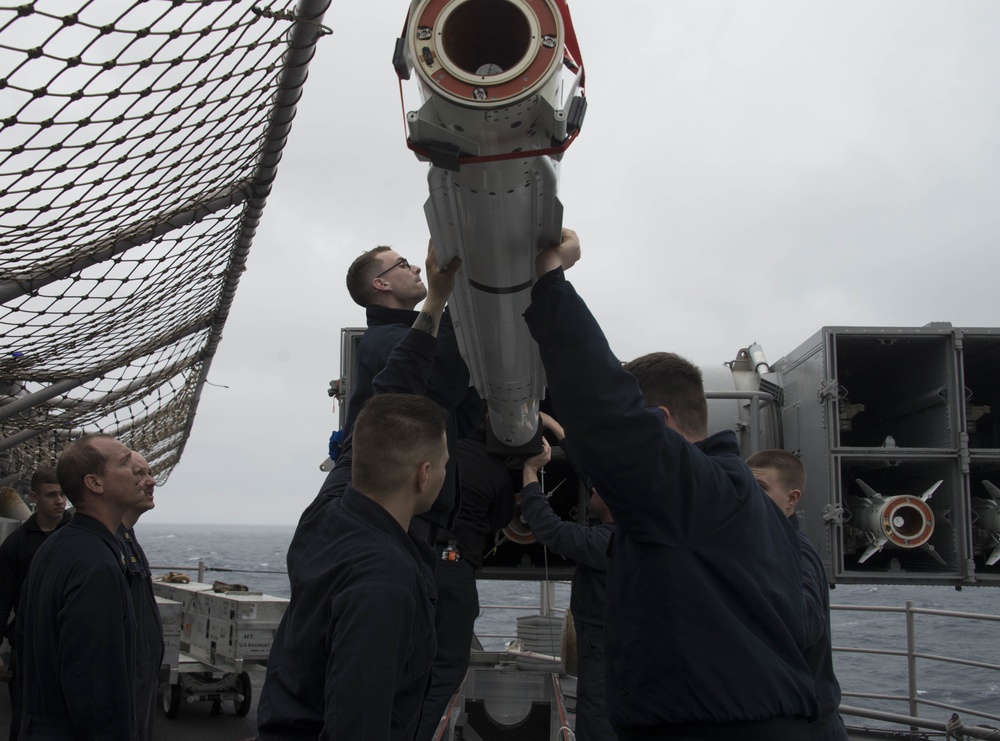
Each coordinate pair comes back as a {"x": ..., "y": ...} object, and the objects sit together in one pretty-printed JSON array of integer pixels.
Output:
[
  {"x": 12, "y": 506},
  {"x": 903, "y": 521},
  {"x": 499, "y": 99},
  {"x": 518, "y": 530},
  {"x": 987, "y": 522}
]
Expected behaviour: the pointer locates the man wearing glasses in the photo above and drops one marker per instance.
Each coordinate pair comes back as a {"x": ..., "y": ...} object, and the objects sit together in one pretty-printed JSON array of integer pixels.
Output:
[{"x": 389, "y": 289}]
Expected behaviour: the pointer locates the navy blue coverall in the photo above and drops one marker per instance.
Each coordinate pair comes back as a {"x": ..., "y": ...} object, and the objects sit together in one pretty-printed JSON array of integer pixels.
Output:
[
  {"x": 76, "y": 637},
  {"x": 352, "y": 655},
  {"x": 588, "y": 546},
  {"x": 447, "y": 384},
  {"x": 704, "y": 629},
  {"x": 16, "y": 553},
  {"x": 148, "y": 633},
  {"x": 818, "y": 651},
  {"x": 487, "y": 505}
]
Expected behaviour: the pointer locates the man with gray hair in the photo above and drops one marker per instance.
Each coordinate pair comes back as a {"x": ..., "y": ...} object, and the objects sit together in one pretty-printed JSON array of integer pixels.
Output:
[
  {"x": 148, "y": 626},
  {"x": 76, "y": 627}
]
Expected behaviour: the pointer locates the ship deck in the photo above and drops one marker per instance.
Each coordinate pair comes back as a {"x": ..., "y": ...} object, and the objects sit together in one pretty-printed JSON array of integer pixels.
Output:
[{"x": 196, "y": 722}]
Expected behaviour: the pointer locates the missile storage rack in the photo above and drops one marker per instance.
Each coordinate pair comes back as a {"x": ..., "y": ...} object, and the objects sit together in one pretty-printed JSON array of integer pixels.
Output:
[{"x": 897, "y": 410}]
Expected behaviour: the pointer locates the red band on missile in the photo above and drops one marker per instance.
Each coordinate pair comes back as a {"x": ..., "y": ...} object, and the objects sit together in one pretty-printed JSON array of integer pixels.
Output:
[{"x": 907, "y": 522}]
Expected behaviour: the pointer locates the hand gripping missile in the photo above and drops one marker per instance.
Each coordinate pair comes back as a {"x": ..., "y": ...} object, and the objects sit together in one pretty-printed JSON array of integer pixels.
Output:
[
  {"x": 500, "y": 99},
  {"x": 903, "y": 521},
  {"x": 987, "y": 521}
]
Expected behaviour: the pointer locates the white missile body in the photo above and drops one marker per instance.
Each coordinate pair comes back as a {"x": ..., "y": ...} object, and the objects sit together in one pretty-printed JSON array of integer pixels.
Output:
[
  {"x": 903, "y": 521},
  {"x": 987, "y": 521},
  {"x": 496, "y": 112}
]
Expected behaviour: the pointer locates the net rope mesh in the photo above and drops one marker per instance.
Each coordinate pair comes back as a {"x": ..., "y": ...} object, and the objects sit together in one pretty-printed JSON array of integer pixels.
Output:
[{"x": 134, "y": 149}]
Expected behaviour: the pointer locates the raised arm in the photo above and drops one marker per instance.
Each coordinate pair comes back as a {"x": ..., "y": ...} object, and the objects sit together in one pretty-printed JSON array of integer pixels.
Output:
[
  {"x": 564, "y": 255},
  {"x": 608, "y": 424},
  {"x": 410, "y": 363},
  {"x": 407, "y": 370},
  {"x": 588, "y": 545},
  {"x": 440, "y": 284}
]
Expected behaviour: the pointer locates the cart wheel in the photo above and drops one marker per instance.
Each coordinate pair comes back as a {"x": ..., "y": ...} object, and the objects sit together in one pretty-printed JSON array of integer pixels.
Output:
[
  {"x": 242, "y": 708},
  {"x": 171, "y": 699}
]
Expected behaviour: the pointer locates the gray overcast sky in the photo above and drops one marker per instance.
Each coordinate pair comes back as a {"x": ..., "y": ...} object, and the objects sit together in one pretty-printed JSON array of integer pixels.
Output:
[{"x": 747, "y": 172}]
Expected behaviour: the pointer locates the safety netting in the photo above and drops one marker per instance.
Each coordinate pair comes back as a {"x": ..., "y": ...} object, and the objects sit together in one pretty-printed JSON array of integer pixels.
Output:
[{"x": 138, "y": 143}]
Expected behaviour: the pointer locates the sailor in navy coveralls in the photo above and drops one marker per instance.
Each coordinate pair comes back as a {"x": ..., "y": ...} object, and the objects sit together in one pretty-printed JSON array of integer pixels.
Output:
[
  {"x": 149, "y": 645},
  {"x": 75, "y": 625},
  {"x": 351, "y": 658},
  {"x": 704, "y": 594}
]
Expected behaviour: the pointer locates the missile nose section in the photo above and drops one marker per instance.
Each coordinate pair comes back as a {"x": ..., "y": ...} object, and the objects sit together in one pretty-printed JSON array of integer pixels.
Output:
[
  {"x": 500, "y": 100},
  {"x": 903, "y": 521},
  {"x": 907, "y": 521},
  {"x": 485, "y": 53}
]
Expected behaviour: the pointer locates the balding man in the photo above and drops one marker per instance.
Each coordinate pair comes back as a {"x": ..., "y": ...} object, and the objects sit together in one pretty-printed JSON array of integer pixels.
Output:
[
  {"x": 148, "y": 626},
  {"x": 75, "y": 626}
]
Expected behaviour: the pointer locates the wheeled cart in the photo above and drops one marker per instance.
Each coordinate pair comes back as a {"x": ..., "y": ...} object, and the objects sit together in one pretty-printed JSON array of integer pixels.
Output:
[
  {"x": 196, "y": 681},
  {"x": 211, "y": 639}
]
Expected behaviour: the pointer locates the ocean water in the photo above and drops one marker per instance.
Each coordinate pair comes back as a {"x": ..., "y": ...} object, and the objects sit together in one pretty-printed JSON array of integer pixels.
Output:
[{"x": 255, "y": 556}]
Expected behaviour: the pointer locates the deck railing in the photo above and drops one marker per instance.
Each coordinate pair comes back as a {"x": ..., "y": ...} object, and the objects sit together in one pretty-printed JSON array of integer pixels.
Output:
[{"x": 953, "y": 726}]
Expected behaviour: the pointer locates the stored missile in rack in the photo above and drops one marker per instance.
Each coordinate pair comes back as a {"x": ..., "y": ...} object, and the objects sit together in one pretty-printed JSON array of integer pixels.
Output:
[
  {"x": 986, "y": 524},
  {"x": 902, "y": 521}
]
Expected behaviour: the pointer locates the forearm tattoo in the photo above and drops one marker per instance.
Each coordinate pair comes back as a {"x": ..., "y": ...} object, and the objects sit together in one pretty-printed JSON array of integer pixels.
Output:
[{"x": 426, "y": 323}]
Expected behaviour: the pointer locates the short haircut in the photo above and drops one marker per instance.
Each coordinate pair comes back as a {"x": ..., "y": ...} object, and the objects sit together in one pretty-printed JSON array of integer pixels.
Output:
[
  {"x": 79, "y": 459},
  {"x": 43, "y": 475},
  {"x": 393, "y": 434},
  {"x": 361, "y": 274},
  {"x": 668, "y": 380},
  {"x": 791, "y": 472}
]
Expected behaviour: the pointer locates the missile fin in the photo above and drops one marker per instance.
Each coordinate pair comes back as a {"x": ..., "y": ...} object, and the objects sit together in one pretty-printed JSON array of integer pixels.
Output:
[
  {"x": 927, "y": 494},
  {"x": 993, "y": 490},
  {"x": 872, "y": 549},
  {"x": 994, "y": 557},
  {"x": 933, "y": 552},
  {"x": 867, "y": 489}
]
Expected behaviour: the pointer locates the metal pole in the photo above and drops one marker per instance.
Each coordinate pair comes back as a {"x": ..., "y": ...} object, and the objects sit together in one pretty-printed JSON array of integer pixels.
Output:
[
  {"x": 303, "y": 36},
  {"x": 201, "y": 570},
  {"x": 22, "y": 285},
  {"x": 911, "y": 659},
  {"x": 756, "y": 399},
  {"x": 547, "y": 597}
]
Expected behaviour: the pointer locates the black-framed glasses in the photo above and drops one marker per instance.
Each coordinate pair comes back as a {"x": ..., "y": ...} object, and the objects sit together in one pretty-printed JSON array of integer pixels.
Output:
[{"x": 400, "y": 263}]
